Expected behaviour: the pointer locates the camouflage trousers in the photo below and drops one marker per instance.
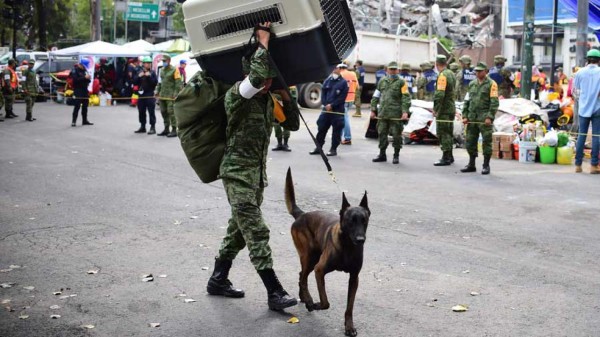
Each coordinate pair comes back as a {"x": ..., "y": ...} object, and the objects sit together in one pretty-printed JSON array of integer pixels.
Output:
[
  {"x": 281, "y": 132},
  {"x": 9, "y": 100},
  {"x": 246, "y": 225},
  {"x": 445, "y": 132},
  {"x": 168, "y": 114},
  {"x": 387, "y": 127},
  {"x": 357, "y": 100},
  {"x": 473, "y": 131},
  {"x": 29, "y": 102}
]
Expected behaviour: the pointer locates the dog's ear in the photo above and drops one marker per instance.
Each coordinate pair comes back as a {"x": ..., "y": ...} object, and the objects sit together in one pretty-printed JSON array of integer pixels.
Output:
[
  {"x": 345, "y": 204},
  {"x": 364, "y": 203}
]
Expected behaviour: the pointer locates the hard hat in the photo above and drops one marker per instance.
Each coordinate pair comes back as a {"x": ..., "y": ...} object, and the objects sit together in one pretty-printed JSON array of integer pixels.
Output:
[
  {"x": 465, "y": 59},
  {"x": 481, "y": 66},
  {"x": 85, "y": 62},
  {"x": 146, "y": 59},
  {"x": 593, "y": 53},
  {"x": 405, "y": 66}
]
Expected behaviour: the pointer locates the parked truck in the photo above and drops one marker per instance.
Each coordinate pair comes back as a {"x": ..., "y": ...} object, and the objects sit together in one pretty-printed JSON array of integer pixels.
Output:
[{"x": 375, "y": 50}]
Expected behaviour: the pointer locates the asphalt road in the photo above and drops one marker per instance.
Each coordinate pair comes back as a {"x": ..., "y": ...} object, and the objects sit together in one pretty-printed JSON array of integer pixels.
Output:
[{"x": 104, "y": 199}]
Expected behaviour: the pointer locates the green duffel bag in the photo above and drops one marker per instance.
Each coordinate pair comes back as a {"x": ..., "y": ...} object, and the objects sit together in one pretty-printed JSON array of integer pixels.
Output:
[{"x": 201, "y": 123}]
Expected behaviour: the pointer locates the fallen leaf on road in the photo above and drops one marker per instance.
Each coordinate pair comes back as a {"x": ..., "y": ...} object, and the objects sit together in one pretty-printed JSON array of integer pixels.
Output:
[
  {"x": 189, "y": 300},
  {"x": 9, "y": 309},
  {"x": 5, "y": 270},
  {"x": 293, "y": 320},
  {"x": 282, "y": 233},
  {"x": 7, "y": 284},
  {"x": 14, "y": 266},
  {"x": 64, "y": 297},
  {"x": 57, "y": 293},
  {"x": 466, "y": 271},
  {"x": 204, "y": 268},
  {"x": 182, "y": 295},
  {"x": 154, "y": 325},
  {"x": 23, "y": 316},
  {"x": 93, "y": 271},
  {"x": 162, "y": 275},
  {"x": 193, "y": 217},
  {"x": 177, "y": 222},
  {"x": 88, "y": 326},
  {"x": 55, "y": 316},
  {"x": 474, "y": 293},
  {"x": 54, "y": 307},
  {"x": 31, "y": 218},
  {"x": 430, "y": 305},
  {"x": 5, "y": 301},
  {"x": 147, "y": 278},
  {"x": 28, "y": 288},
  {"x": 460, "y": 308}
]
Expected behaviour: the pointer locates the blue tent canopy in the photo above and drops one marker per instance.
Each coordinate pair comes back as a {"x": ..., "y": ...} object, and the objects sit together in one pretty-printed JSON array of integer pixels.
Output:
[{"x": 594, "y": 13}]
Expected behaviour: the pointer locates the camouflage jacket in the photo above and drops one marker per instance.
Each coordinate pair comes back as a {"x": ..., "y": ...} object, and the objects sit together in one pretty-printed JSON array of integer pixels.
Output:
[
  {"x": 30, "y": 85},
  {"x": 391, "y": 98},
  {"x": 481, "y": 101},
  {"x": 443, "y": 99},
  {"x": 249, "y": 125},
  {"x": 170, "y": 82}
]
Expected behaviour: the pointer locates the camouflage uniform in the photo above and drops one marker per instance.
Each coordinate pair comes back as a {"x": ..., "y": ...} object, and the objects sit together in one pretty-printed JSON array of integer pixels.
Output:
[
  {"x": 243, "y": 169},
  {"x": 428, "y": 81},
  {"x": 443, "y": 105},
  {"x": 408, "y": 78},
  {"x": 8, "y": 91},
  {"x": 393, "y": 99},
  {"x": 169, "y": 86},
  {"x": 481, "y": 103},
  {"x": 283, "y": 135},
  {"x": 422, "y": 81},
  {"x": 31, "y": 90},
  {"x": 502, "y": 76},
  {"x": 1, "y": 101},
  {"x": 360, "y": 75}
]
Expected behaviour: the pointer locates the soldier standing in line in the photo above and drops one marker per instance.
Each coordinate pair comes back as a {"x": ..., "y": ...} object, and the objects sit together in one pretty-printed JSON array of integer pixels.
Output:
[
  {"x": 408, "y": 78},
  {"x": 502, "y": 76},
  {"x": 360, "y": 74},
  {"x": 464, "y": 77},
  {"x": 283, "y": 135},
  {"x": 249, "y": 107},
  {"x": 10, "y": 85},
  {"x": 30, "y": 89},
  {"x": 170, "y": 84},
  {"x": 479, "y": 111},
  {"x": 444, "y": 110},
  {"x": 421, "y": 82},
  {"x": 390, "y": 104}
]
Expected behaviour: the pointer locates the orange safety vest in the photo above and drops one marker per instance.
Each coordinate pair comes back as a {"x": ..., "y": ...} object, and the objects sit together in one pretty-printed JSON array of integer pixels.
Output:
[
  {"x": 350, "y": 77},
  {"x": 14, "y": 81}
]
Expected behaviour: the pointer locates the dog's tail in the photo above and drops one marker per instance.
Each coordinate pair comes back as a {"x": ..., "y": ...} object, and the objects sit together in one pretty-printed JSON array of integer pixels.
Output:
[{"x": 290, "y": 196}]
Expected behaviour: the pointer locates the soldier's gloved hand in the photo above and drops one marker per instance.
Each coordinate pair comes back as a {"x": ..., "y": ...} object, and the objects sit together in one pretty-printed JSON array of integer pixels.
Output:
[
  {"x": 373, "y": 115},
  {"x": 465, "y": 120},
  {"x": 404, "y": 116},
  {"x": 488, "y": 122}
]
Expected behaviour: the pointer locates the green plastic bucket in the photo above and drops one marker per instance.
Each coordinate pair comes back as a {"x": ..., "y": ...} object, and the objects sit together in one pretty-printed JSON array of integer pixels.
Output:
[{"x": 548, "y": 154}]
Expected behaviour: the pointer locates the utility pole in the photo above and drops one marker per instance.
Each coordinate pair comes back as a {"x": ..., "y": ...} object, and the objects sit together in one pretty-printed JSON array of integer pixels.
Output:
[
  {"x": 583, "y": 7},
  {"x": 554, "y": 23},
  {"x": 96, "y": 14},
  {"x": 528, "y": 30}
]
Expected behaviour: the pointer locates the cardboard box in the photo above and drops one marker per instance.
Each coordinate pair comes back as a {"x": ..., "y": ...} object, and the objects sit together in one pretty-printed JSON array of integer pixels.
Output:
[
  {"x": 495, "y": 146},
  {"x": 504, "y": 147},
  {"x": 507, "y": 155},
  {"x": 503, "y": 137},
  {"x": 496, "y": 154}
]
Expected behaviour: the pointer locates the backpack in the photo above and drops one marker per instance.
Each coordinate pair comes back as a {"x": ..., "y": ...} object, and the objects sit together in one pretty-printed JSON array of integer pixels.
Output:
[{"x": 202, "y": 122}]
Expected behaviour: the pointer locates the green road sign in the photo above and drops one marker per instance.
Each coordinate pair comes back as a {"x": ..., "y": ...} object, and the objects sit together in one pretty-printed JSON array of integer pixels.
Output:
[{"x": 138, "y": 11}]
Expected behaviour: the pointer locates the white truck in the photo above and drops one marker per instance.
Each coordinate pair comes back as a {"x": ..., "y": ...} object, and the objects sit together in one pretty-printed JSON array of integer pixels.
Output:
[{"x": 375, "y": 50}]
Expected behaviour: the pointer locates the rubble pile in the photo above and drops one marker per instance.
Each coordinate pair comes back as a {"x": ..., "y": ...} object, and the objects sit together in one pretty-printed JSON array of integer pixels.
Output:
[{"x": 466, "y": 22}]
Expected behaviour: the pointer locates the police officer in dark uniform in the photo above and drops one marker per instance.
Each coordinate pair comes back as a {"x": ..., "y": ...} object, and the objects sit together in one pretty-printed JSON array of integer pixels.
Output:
[
  {"x": 146, "y": 80},
  {"x": 81, "y": 80}
]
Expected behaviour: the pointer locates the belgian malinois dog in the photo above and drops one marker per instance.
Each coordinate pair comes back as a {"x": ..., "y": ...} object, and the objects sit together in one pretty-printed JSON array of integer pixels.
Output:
[{"x": 326, "y": 242}]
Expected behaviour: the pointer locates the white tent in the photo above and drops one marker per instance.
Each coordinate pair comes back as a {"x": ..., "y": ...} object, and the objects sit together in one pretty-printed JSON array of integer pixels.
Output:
[
  {"x": 163, "y": 45},
  {"x": 100, "y": 48},
  {"x": 139, "y": 45}
]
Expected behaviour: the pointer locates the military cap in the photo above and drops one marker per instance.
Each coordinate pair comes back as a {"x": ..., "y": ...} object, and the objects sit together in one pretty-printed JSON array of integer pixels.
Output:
[
  {"x": 465, "y": 59},
  {"x": 499, "y": 58},
  {"x": 481, "y": 66},
  {"x": 392, "y": 65},
  {"x": 405, "y": 66},
  {"x": 166, "y": 57},
  {"x": 427, "y": 65},
  {"x": 453, "y": 66},
  {"x": 442, "y": 59},
  {"x": 342, "y": 66}
]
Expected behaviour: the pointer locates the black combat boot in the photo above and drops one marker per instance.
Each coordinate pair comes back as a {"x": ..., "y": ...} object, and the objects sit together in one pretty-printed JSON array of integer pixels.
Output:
[
  {"x": 396, "y": 159},
  {"x": 332, "y": 153},
  {"x": 142, "y": 129},
  {"x": 444, "y": 161},
  {"x": 86, "y": 122},
  {"x": 286, "y": 148},
  {"x": 380, "y": 158},
  {"x": 219, "y": 284},
  {"x": 486, "y": 165},
  {"x": 173, "y": 132},
  {"x": 315, "y": 151},
  {"x": 152, "y": 130},
  {"x": 471, "y": 166},
  {"x": 279, "y": 146},
  {"x": 451, "y": 157},
  {"x": 164, "y": 133},
  {"x": 278, "y": 299}
]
